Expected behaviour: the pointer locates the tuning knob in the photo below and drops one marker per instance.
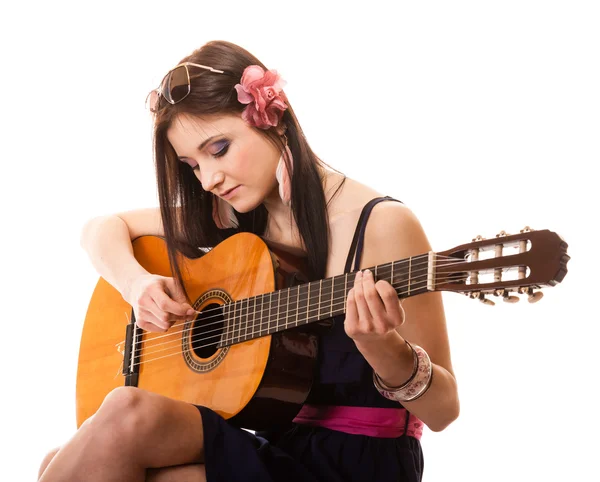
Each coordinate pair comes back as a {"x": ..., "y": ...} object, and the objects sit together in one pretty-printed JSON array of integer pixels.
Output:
[
  {"x": 485, "y": 300},
  {"x": 479, "y": 237},
  {"x": 501, "y": 234},
  {"x": 508, "y": 298},
  {"x": 534, "y": 297},
  {"x": 526, "y": 229}
]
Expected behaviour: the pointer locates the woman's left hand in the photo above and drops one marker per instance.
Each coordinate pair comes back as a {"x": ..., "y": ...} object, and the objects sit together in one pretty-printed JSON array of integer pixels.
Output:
[{"x": 372, "y": 309}]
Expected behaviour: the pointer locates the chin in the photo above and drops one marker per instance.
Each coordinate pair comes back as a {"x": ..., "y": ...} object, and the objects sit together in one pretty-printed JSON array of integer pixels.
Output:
[{"x": 245, "y": 206}]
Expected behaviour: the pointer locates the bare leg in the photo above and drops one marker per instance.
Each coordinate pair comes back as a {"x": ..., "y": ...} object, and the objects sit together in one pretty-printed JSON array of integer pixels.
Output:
[
  {"x": 46, "y": 461},
  {"x": 132, "y": 431},
  {"x": 183, "y": 473}
]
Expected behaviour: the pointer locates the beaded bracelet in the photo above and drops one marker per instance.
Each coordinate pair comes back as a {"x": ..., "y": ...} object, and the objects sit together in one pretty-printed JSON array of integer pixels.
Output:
[{"x": 416, "y": 386}]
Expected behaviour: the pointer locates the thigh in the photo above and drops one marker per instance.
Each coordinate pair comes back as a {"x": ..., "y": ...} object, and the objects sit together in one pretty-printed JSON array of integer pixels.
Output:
[
  {"x": 182, "y": 473},
  {"x": 158, "y": 431}
]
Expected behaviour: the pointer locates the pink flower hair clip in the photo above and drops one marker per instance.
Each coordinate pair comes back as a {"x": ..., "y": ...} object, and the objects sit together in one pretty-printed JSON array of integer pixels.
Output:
[{"x": 263, "y": 93}]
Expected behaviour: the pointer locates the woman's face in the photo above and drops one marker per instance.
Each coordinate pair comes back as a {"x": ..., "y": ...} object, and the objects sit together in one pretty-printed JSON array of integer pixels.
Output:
[{"x": 230, "y": 158}]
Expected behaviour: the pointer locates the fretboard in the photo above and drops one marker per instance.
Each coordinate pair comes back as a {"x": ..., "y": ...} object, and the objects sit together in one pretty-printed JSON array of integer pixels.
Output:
[{"x": 315, "y": 301}]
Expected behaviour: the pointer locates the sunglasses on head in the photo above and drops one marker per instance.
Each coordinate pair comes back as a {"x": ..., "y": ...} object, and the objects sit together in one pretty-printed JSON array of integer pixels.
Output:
[{"x": 175, "y": 86}]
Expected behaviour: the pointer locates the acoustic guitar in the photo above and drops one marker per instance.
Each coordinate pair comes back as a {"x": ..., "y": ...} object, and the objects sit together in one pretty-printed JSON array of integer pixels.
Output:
[{"x": 250, "y": 353}]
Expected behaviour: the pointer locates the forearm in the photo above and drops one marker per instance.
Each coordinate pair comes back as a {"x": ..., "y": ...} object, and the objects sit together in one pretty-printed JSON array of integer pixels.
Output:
[
  {"x": 392, "y": 359},
  {"x": 107, "y": 242}
]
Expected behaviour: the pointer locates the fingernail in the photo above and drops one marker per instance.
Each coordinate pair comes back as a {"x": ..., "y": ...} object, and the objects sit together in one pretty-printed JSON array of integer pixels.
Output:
[
  {"x": 367, "y": 272},
  {"x": 191, "y": 312}
]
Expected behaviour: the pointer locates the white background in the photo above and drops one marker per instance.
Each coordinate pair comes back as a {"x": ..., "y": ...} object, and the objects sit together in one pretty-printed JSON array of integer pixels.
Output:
[{"x": 481, "y": 116}]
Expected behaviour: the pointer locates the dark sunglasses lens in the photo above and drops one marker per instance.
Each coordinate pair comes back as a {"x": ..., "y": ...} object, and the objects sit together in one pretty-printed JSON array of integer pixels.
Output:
[{"x": 177, "y": 85}]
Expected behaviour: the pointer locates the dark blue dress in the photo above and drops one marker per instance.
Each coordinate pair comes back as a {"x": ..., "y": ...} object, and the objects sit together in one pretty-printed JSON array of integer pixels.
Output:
[{"x": 308, "y": 453}]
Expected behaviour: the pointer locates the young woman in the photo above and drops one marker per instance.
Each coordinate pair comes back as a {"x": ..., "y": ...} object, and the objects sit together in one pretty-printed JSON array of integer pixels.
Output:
[{"x": 231, "y": 157}]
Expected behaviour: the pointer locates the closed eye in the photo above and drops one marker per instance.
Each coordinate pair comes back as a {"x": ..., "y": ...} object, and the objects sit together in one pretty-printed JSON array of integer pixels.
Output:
[{"x": 224, "y": 147}]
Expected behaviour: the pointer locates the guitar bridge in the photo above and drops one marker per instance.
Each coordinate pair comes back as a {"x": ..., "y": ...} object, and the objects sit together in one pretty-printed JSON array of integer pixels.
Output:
[{"x": 131, "y": 365}]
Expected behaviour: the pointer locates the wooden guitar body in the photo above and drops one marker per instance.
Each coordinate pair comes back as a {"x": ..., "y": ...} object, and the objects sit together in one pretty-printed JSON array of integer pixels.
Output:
[{"x": 257, "y": 384}]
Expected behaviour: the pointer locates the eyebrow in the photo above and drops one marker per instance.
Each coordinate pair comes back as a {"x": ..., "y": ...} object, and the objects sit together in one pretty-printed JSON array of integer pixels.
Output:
[{"x": 206, "y": 141}]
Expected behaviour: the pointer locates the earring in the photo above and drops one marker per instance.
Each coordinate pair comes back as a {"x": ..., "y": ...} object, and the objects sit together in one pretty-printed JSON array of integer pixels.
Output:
[
  {"x": 223, "y": 214},
  {"x": 284, "y": 177}
]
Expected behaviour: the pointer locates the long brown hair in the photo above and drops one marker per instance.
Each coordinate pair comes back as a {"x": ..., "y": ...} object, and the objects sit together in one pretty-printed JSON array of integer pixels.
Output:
[{"x": 186, "y": 208}]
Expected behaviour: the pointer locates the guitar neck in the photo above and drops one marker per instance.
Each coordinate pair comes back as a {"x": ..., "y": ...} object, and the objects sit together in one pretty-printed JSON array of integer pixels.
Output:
[{"x": 300, "y": 305}]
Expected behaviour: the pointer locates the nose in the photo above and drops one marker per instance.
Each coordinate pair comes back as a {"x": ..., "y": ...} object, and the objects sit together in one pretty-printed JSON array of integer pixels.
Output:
[{"x": 211, "y": 179}]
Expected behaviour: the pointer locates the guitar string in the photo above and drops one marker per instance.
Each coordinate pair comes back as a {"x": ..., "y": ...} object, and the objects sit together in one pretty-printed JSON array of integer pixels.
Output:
[
  {"x": 219, "y": 310},
  {"x": 179, "y": 351},
  {"x": 202, "y": 336},
  {"x": 241, "y": 329},
  {"x": 240, "y": 323},
  {"x": 238, "y": 326}
]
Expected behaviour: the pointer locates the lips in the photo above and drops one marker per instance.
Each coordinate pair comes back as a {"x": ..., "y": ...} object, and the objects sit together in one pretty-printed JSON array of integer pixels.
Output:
[{"x": 228, "y": 192}]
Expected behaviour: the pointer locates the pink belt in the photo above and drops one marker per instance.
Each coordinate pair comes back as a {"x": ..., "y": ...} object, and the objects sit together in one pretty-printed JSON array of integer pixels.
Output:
[{"x": 374, "y": 422}]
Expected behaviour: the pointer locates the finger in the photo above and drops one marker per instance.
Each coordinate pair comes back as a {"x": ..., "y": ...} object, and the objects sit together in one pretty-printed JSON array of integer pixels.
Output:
[
  {"x": 351, "y": 311},
  {"x": 389, "y": 297},
  {"x": 364, "y": 315},
  {"x": 168, "y": 305},
  {"x": 147, "y": 326},
  {"x": 351, "y": 319},
  {"x": 150, "y": 316},
  {"x": 372, "y": 298}
]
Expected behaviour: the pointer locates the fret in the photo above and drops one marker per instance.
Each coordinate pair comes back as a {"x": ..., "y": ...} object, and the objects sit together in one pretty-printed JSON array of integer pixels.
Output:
[
  {"x": 332, "y": 295},
  {"x": 345, "y": 291},
  {"x": 308, "y": 297},
  {"x": 319, "y": 300},
  {"x": 302, "y": 304},
  {"x": 225, "y": 339},
  {"x": 254, "y": 312},
  {"x": 249, "y": 314},
  {"x": 238, "y": 320},
  {"x": 409, "y": 273},
  {"x": 265, "y": 312},
  {"x": 280, "y": 311},
  {"x": 268, "y": 315},
  {"x": 236, "y": 325},
  {"x": 273, "y": 315},
  {"x": 242, "y": 314},
  {"x": 287, "y": 310},
  {"x": 325, "y": 299}
]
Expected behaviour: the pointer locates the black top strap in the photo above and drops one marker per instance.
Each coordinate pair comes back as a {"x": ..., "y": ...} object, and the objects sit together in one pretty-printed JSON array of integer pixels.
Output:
[{"x": 358, "y": 240}]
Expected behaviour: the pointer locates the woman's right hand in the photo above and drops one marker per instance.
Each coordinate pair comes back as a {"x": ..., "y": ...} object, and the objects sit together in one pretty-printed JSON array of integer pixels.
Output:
[{"x": 158, "y": 302}]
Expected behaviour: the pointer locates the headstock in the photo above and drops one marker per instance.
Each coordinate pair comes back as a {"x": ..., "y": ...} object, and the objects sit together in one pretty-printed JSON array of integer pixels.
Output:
[{"x": 503, "y": 266}]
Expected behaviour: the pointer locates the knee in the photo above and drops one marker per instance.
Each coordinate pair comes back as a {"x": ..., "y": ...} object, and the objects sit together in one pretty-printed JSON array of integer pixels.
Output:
[
  {"x": 121, "y": 413},
  {"x": 47, "y": 459}
]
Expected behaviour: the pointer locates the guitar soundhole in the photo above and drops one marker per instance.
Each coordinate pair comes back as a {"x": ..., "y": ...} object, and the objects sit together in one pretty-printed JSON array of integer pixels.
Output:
[{"x": 207, "y": 330}]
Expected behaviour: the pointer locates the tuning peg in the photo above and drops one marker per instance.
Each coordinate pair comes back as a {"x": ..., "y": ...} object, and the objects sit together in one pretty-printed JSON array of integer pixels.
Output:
[
  {"x": 532, "y": 296},
  {"x": 501, "y": 234},
  {"x": 526, "y": 229},
  {"x": 479, "y": 237},
  {"x": 506, "y": 296},
  {"x": 484, "y": 300}
]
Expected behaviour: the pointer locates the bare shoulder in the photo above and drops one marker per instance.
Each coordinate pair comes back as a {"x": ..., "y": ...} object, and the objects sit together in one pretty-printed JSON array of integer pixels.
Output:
[{"x": 393, "y": 232}]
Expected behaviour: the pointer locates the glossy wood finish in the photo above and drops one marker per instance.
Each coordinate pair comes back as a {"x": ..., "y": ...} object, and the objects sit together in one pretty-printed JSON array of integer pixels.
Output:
[{"x": 242, "y": 266}]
